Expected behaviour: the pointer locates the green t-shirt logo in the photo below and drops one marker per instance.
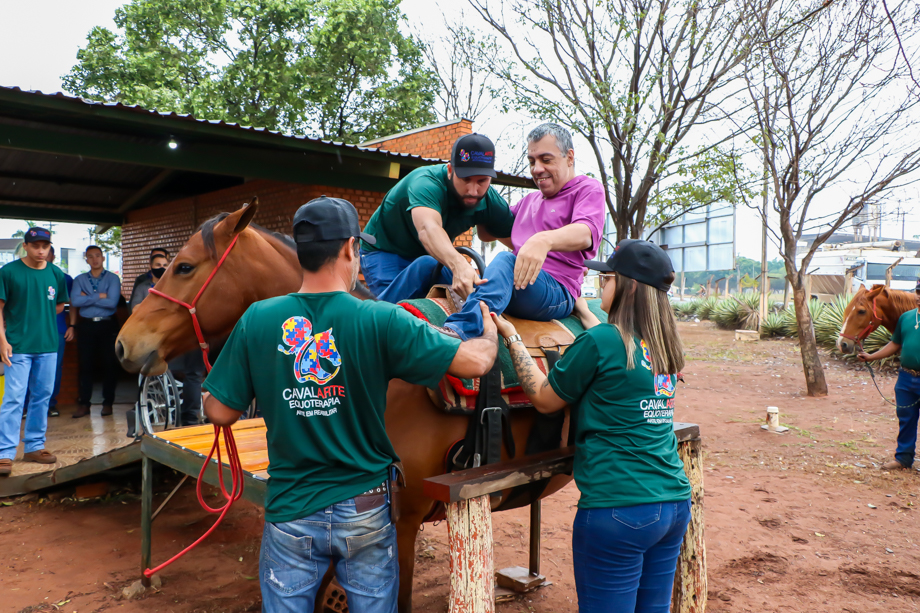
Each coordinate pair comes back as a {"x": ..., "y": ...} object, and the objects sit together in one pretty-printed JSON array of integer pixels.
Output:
[
  {"x": 51, "y": 292},
  {"x": 307, "y": 349}
]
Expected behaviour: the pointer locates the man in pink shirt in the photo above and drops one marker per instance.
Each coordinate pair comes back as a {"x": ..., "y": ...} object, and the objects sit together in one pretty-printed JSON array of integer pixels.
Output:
[{"x": 555, "y": 230}]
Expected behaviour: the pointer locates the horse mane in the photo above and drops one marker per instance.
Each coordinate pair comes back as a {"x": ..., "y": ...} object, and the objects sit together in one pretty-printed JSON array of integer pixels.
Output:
[
  {"x": 207, "y": 235},
  {"x": 902, "y": 301}
]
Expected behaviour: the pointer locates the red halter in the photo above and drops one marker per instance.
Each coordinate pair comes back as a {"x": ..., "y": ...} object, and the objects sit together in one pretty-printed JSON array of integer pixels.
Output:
[
  {"x": 191, "y": 307},
  {"x": 233, "y": 456},
  {"x": 874, "y": 322}
]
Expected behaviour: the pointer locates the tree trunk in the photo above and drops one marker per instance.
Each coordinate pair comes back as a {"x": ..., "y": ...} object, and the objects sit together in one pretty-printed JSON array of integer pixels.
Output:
[{"x": 811, "y": 362}]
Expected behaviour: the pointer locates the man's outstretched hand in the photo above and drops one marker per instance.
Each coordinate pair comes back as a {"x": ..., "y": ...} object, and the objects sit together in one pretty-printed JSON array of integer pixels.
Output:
[
  {"x": 465, "y": 280},
  {"x": 529, "y": 261}
]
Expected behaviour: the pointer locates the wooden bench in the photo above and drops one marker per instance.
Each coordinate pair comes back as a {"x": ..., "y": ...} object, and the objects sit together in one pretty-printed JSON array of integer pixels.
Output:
[{"x": 469, "y": 524}]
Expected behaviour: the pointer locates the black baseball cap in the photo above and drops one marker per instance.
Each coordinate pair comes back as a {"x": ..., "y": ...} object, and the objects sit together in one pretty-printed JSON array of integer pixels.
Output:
[
  {"x": 472, "y": 155},
  {"x": 33, "y": 235},
  {"x": 640, "y": 260},
  {"x": 328, "y": 219}
]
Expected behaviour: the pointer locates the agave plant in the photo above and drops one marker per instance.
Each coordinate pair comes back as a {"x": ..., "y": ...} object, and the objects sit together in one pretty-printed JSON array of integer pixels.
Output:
[
  {"x": 830, "y": 321},
  {"x": 685, "y": 310},
  {"x": 704, "y": 310},
  {"x": 790, "y": 322},
  {"x": 773, "y": 325},
  {"x": 725, "y": 314},
  {"x": 748, "y": 311}
]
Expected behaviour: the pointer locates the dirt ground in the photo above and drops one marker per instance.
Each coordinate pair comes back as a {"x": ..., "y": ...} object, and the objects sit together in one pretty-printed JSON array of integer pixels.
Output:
[{"x": 802, "y": 521}]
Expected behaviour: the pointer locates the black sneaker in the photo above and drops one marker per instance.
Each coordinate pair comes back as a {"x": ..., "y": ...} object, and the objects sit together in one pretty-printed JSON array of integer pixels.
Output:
[{"x": 53, "y": 412}]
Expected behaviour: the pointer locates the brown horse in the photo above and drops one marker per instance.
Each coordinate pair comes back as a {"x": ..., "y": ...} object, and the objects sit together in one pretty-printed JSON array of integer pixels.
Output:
[
  {"x": 869, "y": 309},
  {"x": 261, "y": 266}
]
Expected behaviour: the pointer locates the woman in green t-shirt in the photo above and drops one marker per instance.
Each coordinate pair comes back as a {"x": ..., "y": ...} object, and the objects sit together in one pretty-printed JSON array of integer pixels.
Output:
[
  {"x": 905, "y": 339},
  {"x": 619, "y": 379}
]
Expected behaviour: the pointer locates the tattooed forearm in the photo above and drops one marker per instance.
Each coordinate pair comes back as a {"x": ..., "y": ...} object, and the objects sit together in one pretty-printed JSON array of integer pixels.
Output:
[{"x": 526, "y": 369}]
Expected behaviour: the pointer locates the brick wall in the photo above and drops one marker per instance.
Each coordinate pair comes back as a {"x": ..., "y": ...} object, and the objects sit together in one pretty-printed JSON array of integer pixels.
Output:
[{"x": 434, "y": 142}]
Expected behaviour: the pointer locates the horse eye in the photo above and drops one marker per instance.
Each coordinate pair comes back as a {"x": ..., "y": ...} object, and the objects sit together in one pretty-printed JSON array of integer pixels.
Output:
[
  {"x": 184, "y": 269},
  {"x": 861, "y": 311}
]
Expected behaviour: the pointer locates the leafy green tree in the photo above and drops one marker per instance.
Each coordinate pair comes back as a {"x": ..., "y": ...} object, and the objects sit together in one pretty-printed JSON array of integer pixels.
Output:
[
  {"x": 109, "y": 241},
  {"x": 338, "y": 69}
]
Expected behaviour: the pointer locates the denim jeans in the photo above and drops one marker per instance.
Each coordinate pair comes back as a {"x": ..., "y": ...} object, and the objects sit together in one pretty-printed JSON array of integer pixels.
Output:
[
  {"x": 362, "y": 546},
  {"x": 625, "y": 557},
  {"x": 35, "y": 372},
  {"x": 392, "y": 278},
  {"x": 907, "y": 395},
  {"x": 59, "y": 370},
  {"x": 546, "y": 299}
]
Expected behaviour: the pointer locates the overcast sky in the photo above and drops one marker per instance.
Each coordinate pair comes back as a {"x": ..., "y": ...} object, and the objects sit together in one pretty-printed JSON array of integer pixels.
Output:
[{"x": 39, "y": 40}]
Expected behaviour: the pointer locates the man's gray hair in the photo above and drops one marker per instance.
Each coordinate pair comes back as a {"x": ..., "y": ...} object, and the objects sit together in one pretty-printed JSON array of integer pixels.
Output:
[{"x": 563, "y": 137}]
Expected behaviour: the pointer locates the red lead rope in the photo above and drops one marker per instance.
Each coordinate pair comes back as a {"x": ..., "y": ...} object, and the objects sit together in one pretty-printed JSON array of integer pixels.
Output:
[{"x": 233, "y": 456}]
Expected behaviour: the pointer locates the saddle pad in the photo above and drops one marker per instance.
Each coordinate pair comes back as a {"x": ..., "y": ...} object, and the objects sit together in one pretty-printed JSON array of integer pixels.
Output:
[{"x": 459, "y": 395}]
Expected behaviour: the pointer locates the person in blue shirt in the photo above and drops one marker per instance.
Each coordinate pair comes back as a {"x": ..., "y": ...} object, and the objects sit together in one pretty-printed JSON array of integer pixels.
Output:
[
  {"x": 65, "y": 335},
  {"x": 96, "y": 294}
]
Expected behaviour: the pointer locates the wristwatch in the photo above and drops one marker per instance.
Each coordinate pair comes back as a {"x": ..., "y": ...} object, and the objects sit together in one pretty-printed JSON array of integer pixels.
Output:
[{"x": 512, "y": 339}]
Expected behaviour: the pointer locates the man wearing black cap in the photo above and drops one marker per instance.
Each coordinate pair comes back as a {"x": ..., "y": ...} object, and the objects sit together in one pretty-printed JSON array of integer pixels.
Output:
[
  {"x": 32, "y": 293},
  {"x": 420, "y": 217},
  {"x": 318, "y": 362}
]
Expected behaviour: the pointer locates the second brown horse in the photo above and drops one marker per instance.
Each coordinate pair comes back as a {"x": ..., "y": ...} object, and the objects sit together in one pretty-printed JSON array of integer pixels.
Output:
[{"x": 261, "y": 266}]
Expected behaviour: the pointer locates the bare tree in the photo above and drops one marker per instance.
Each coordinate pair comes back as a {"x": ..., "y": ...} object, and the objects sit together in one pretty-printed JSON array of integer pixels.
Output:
[
  {"x": 634, "y": 78},
  {"x": 835, "y": 120},
  {"x": 460, "y": 61}
]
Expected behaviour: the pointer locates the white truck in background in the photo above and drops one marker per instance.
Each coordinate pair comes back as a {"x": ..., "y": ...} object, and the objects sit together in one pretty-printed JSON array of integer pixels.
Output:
[{"x": 845, "y": 267}]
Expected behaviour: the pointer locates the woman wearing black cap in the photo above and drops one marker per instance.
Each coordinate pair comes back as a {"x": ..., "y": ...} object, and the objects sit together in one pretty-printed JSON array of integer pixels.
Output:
[{"x": 619, "y": 379}]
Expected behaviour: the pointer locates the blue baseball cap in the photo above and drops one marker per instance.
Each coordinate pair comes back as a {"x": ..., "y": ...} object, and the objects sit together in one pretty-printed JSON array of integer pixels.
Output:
[{"x": 33, "y": 235}]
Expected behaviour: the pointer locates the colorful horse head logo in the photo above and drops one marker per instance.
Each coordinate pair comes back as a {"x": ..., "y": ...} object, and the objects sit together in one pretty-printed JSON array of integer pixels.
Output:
[
  {"x": 646, "y": 355},
  {"x": 665, "y": 385},
  {"x": 464, "y": 156},
  {"x": 307, "y": 349}
]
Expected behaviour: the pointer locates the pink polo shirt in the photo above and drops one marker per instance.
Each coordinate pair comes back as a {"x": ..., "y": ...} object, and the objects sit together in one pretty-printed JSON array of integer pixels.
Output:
[{"x": 580, "y": 201}]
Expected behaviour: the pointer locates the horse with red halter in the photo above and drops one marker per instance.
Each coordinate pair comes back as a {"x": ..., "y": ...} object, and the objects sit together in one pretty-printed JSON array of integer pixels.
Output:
[
  {"x": 261, "y": 265},
  {"x": 869, "y": 309}
]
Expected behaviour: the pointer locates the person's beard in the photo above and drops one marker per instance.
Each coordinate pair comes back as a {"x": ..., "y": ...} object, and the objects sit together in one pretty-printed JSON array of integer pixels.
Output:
[{"x": 452, "y": 190}]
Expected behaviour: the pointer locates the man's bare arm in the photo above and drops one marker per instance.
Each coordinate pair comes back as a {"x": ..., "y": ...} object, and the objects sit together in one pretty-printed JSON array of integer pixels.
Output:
[
  {"x": 218, "y": 413},
  {"x": 573, "y": 237},
  {"x": 429, "y": 225}
]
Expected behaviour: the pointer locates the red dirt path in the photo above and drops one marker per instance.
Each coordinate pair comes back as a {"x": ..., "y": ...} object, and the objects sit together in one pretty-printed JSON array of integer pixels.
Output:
[{"x": 789, "y": 526}]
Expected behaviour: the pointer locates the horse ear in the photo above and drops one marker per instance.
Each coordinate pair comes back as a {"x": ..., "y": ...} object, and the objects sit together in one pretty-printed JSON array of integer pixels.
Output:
[
  {"x": 875, "y": 291},
  {"x": 239, "y": 220}
]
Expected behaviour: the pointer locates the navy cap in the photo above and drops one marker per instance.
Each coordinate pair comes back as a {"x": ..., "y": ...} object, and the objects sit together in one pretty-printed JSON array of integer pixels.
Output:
[
  {"x": 473, "y": 155},
  {"x": 33, "y": 235},
  {"x": 640, "y": 260},
  {"x": 328, "y": 219}
]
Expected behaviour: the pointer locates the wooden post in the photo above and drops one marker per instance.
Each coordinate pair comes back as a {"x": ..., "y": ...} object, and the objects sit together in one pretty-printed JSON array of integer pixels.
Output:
[
  {"x": 146, "y": 515},
  {"x": 469, "y": 532},
  {"x": 536, "y": 519},
  {"x": 889, "y": 272},
  {"x": 690, "y": 581}
]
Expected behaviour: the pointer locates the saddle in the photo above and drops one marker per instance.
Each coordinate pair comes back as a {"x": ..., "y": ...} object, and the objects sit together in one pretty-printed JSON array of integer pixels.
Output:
[{"x": 488, "y": 400}]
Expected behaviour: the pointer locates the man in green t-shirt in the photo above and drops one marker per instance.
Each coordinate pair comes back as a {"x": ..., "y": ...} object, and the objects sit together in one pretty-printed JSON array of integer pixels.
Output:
[
  {"x": 318, "y": 362},
  {"x": 904, "y": 340},
  {"x": 32, "y": 293},
  {"x": 420, "y": 217}
]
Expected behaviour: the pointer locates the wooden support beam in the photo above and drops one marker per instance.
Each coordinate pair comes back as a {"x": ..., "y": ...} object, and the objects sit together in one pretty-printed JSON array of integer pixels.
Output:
[
  {"x": 146, "y": 516},
  {"x": 469, "y": 533},
  {"x": 691, "y": 583},
  {"x": 889, "y": 272},
  {"x": 62, "y": 181}
]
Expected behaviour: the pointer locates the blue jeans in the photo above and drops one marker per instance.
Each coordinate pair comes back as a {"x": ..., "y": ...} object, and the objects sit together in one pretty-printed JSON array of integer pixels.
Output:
[
  {"x": 907, "y": 395},
  {"x": 393, "y": 278},
  {"x": 625, "y": 557},
  {"x": 362, "y": 546},
  {"x": 546, "y": 299},
  {"x": 35, "y": 372},
  {"x": 59, "y": 370}
]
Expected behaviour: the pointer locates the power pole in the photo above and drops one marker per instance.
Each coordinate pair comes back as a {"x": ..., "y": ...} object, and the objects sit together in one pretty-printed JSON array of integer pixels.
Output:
[{"x": 764, "y": 277}]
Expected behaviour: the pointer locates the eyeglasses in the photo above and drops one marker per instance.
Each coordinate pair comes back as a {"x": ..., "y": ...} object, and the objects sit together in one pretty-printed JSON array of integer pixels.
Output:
[{"x": 602, "y": 278}]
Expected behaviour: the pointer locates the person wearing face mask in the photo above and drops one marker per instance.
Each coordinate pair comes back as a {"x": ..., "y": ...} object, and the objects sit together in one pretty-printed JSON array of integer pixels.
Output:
[
  {"x": 159, "y": 260},
  {"x": 419, "y": 218},
  {"x": 318, "y": 363},
  {"x": 555, "y": 230}
]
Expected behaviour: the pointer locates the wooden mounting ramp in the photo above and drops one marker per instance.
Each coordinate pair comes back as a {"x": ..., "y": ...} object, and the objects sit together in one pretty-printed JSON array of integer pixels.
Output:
[{"x": 469, "y": 523}]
